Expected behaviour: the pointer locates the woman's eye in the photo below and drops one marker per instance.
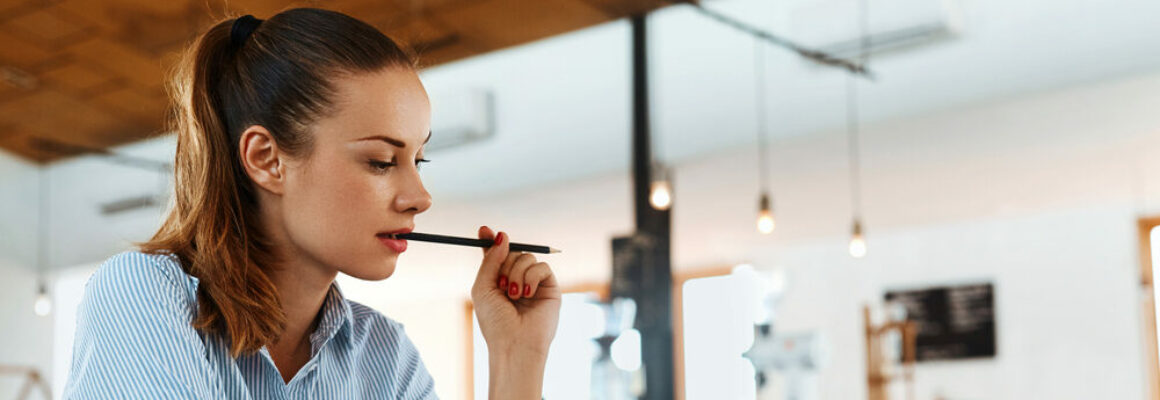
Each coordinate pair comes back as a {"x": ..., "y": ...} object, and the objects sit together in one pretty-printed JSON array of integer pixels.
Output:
[{"x": 382, "y": 166}]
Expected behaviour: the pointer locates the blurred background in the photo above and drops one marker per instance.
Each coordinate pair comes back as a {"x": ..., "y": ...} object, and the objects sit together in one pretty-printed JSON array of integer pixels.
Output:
[{"x": 756, "y": 199}]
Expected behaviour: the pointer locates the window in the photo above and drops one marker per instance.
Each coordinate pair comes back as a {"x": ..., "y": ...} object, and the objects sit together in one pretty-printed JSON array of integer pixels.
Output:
[{"x": 718, "y": 317}]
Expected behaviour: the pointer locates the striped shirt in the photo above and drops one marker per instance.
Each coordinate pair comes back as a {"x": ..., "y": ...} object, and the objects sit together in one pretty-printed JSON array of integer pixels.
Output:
[{"x": 134, "y": 340}]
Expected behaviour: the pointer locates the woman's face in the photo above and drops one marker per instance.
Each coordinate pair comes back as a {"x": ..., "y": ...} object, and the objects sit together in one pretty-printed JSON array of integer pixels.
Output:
[{"x": 361, "y": 177}]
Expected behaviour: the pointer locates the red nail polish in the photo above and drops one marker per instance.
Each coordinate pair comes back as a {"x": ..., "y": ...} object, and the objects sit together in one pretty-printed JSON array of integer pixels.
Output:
[
  {"x": 527, "y": 290},
  {"x": 499, "y": 238},
  {"x": 503, "y": 281},
  {"x": 515, "y": 289}
]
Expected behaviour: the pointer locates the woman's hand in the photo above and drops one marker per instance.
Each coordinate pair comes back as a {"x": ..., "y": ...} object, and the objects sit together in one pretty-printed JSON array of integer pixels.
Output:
[{"x": 517, "y": 302}]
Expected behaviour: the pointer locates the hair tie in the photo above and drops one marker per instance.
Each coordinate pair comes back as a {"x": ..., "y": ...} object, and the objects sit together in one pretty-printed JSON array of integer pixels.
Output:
[{"x": 243, "y": 27}]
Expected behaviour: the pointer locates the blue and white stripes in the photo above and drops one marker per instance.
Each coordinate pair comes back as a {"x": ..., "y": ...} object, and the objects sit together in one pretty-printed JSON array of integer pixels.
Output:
[{"x": 134, "y": 339}]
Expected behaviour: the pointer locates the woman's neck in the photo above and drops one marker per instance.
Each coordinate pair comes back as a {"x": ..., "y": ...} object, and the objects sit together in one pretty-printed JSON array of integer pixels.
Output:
[
  {"x": 302, "y": 288},
  {"x": 303, "y": 283}
]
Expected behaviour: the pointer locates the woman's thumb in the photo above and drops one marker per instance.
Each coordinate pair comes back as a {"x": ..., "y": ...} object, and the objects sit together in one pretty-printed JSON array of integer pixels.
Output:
[{"x": 493, "y": 256}]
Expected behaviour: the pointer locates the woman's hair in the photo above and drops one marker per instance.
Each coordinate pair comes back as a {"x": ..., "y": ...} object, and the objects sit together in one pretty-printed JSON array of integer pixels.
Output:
[{"x": 279, "y": 77}]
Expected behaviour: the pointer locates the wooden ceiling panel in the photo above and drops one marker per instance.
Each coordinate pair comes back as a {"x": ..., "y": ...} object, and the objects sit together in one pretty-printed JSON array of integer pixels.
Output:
[
  {"x": 76, "y": 78},
  {"x": 410, "y": 7},
  {"x": 127, "y": 62},
  {"x": 444, "y": 54},
  {"x": 617, "y": 8},
  {"x": 7, "y": 130},
  {"x": 267, "y": 8},
  {"x": 156, "y": 34},
  {"x": 95, "y": 69},
  {"x": 51, "y": 112},
  {"x": 49, "y": 27},
  {"x": 22, "y": 54},
  {"x": 425, "y": 36},
  {"x": 504, "y": 23},
  {"x": 13, "y": 7},
  {"x": 10, "y": 138},
  {"x": 7, "y": 92},
  {"x": 141, "y": 106},
  {"x": 152, "y": 27}
]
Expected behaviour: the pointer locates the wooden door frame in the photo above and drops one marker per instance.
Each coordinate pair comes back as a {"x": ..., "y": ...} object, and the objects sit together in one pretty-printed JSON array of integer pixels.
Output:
[{"x": 1148, "y": 307}]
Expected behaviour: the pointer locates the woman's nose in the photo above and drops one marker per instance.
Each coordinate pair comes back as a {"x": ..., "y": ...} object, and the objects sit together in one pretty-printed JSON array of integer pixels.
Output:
[{"x": 413, "y": 198}]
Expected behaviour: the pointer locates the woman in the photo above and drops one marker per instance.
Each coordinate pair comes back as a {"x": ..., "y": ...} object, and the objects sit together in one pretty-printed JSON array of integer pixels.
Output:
[{"x": 299, "y": 144}]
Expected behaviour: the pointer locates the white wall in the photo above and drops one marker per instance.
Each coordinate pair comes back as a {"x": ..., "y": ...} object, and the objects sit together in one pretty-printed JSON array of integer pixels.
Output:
[
  {"x": 26, "y": 337},
  {"x": 81, "y": 235},
  {"x": 1038, "y": 194}
]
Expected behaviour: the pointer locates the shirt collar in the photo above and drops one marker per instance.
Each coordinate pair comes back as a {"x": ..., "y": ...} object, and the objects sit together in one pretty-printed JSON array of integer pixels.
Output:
[{"x": 336, "y": 317}]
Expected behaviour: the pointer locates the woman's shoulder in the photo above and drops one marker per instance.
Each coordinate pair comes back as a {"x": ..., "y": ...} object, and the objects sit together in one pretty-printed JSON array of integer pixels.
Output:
[
  {"x": 386, "y": 349},
  {"x": 369, "y": 327},
  {"x": 367, "y": 322},
  {"x": 133, "y": 273}
]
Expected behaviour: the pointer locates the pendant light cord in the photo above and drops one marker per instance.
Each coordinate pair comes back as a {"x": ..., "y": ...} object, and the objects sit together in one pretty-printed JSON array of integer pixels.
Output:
[
  {"x": 854, "y": 161},
  {"x": 852, "y": 123},
  {"x": 762, "y": 135},
  {"x": 42, "y": 229}
]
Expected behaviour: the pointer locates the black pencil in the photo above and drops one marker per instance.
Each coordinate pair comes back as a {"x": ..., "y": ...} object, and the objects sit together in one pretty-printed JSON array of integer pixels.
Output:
[{"x": 427, "y": 237}]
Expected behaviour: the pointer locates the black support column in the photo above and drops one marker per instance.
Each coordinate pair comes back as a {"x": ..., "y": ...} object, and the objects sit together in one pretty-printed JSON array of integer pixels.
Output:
[{"x": 642, "y": 268}]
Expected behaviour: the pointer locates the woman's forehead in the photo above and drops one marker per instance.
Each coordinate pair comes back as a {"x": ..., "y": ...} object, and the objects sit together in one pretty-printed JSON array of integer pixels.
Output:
[{"x": 389, "y": 102}]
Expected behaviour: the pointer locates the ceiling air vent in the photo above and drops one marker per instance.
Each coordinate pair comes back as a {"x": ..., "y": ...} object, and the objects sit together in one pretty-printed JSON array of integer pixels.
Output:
[
  {"x": 833, "y": 26},
  {"x": 461, "y": 116},
  {"x": 129, "y": 204}
]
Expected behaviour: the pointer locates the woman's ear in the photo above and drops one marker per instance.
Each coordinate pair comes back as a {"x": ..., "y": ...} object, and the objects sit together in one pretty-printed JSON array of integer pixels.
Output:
[{"x": 261, "y": 159}]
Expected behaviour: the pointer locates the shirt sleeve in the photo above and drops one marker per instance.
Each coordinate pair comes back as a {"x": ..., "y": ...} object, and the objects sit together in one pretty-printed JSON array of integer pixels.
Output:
[{"x": 134, "y": 337}]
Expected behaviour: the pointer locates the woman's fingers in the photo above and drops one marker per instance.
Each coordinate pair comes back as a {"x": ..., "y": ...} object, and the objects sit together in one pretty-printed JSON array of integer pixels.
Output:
[
  {"x": 539, "y": 275},
  {"x": 506, "y": 268},
  {"x": 485, "y": 233},
  {"x": 493, "y": 259},
  {"x": 516, "y": 285},
  {"x": 517, "y": 274}
]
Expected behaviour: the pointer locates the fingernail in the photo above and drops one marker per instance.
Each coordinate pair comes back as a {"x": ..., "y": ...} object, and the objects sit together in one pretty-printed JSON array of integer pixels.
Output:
[
  {"x": 527, "y": 290},
  {"x": 499, "y": 238},
  {"x": 503, "y": 281},
  {"x": 515, "y": 289}
]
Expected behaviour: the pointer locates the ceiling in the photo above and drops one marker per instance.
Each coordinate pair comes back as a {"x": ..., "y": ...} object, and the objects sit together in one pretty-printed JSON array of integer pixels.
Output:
[
  {"x": 91, "y": 73},
  {"x": 564, "y": 107},
  {"x": 563, "y": 104}
]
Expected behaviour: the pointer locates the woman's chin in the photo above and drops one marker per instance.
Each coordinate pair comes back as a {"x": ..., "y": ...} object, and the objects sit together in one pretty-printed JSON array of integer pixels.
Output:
[{"x": 373, "y": 272}]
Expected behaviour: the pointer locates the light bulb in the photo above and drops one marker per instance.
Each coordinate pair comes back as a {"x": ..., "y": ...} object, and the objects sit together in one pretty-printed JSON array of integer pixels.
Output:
[
  {"x": 765, "y": 221},
  {"x": 43, "y": 305},
  {"x": 858, "y": 246},
  {"x": 857, "y": 241},
  {"x": 661, "y": 197}
]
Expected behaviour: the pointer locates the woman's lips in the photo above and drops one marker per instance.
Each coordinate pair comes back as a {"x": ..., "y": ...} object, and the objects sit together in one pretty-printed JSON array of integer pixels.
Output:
[{"x": 398, "y": 245}]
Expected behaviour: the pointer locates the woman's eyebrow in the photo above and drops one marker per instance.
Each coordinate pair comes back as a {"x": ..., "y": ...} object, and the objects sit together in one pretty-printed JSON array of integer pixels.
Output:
[{"x": 395, "y": 142}]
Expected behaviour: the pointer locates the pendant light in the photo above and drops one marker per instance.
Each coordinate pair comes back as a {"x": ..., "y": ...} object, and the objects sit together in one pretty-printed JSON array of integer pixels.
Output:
[
  {"x": 660, "y": 190},
  {"x": 660, "y": 195},
  {"x": 765, "y": 220},
  {"x": 43, "y": 304},
  {"x": 858, "y": 245}
]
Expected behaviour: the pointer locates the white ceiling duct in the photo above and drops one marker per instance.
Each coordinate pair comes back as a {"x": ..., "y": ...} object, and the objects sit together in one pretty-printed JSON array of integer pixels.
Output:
[
  {"x": 460, "y": 116},
  {"x": 834, "y": 26}
]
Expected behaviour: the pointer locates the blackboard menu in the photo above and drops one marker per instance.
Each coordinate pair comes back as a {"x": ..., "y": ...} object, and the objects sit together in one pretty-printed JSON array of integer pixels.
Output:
[{"x": 954, "y": 322}]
